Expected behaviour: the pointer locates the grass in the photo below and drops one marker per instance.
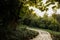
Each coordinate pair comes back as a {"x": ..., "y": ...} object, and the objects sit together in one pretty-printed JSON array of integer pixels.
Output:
[
  {"x": 20, "y": 34},
  {"x": 26, "y": 34}
]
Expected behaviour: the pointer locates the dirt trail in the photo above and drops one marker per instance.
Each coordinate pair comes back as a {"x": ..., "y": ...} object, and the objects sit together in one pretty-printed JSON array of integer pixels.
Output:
[{"x": 43, "y": 35}]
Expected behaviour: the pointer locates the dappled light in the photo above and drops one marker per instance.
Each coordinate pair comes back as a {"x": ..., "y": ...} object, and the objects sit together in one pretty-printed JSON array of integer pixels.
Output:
[
  {"x": 44, "y": 1},
  {"x": 29, "y": 19},
  {"x": 50, "y": 10}
]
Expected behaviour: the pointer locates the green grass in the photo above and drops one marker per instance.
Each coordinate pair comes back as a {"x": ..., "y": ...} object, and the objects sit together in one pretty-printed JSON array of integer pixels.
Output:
[
  {"x": 20, "y": 34},
  {"x": 26, "y": 34}
]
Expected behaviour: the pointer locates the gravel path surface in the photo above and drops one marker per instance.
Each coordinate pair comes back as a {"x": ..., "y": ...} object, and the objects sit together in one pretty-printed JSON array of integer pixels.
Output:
[{"x": 43, "y": 35}]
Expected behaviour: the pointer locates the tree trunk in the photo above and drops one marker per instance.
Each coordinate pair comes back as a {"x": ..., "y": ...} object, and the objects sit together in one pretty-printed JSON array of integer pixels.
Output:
[{"x": 9, "y": 10}]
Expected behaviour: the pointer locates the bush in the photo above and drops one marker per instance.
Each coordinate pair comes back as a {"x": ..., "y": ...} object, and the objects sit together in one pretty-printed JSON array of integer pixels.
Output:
[
  {"x": 25, "y": 34},
  {"x": 46, "y": 24}
]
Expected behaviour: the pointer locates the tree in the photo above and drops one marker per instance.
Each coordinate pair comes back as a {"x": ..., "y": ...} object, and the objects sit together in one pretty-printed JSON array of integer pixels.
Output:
[
  {"x": 57, "y": 17},
  {"x": 9, "y": 13}
]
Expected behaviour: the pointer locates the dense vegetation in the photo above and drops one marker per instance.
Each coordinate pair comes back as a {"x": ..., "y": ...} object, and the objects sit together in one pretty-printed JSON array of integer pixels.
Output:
[
  {"x": 9, "y": 16},
  {"x": 46, "y": 23},
  {"x": 26, "y": 34},
  {"x": 16, "y": 12},
  {"x": 31, "y": 19}
]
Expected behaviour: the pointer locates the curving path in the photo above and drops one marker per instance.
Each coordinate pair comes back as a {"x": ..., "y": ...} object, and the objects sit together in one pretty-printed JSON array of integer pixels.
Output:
[{"x": 43, "y": 35}]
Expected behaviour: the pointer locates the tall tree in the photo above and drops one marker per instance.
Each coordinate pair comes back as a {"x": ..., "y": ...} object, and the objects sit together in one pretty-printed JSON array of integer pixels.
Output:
[{"x": 9, "y": 13}]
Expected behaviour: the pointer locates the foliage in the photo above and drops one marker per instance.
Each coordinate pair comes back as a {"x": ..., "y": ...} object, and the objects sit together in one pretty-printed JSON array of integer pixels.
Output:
[
  {"x": 9, "y": 13},
  {"x": 9, "y": 17},
  {"x": 27, "y": 18},
  {"x": 57, "y": 17},
  {"x": 46, "y": 23},
  {"x": 26, "y": 34},
  {"x": 20, "y": 34},
  {"x": 14, "y": 11}
]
